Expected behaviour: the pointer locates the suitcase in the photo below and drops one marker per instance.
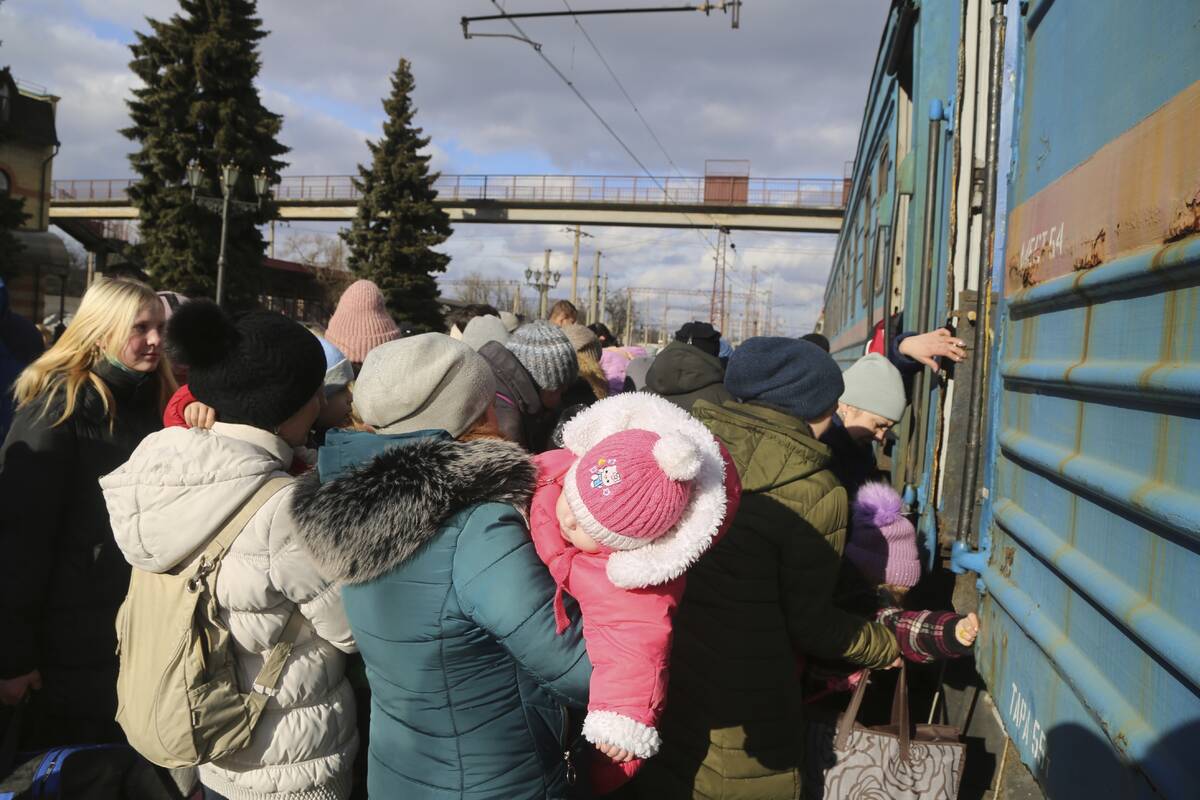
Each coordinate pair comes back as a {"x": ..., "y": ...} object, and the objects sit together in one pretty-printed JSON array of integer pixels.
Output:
[
  {"x": 77, "y": 772},
  {"x": 80, "y": 772}
]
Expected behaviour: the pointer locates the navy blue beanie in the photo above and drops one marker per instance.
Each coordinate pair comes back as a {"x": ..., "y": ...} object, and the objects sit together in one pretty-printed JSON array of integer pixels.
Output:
[{"x": 789, "y": 374}]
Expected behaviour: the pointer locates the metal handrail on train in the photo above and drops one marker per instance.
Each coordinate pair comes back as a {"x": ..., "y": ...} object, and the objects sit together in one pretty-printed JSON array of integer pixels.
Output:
[
  {"x": 915, "y": 455},
  {"x": 969, "y": 496}
]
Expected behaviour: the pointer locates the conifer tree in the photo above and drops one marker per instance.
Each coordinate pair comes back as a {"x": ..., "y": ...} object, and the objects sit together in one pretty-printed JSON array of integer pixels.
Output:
[
  {"x": 198, "y": 101},
  {"x": 397, "y": 222}
]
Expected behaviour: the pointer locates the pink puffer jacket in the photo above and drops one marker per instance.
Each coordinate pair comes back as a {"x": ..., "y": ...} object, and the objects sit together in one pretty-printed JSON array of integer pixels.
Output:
[{"x": 628, "y": 599}]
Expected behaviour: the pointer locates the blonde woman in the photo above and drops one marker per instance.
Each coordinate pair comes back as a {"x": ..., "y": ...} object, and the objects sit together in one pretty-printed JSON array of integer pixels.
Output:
[
  {"x": 591, "y": 385},
  {"x": 82, "y": 408}
]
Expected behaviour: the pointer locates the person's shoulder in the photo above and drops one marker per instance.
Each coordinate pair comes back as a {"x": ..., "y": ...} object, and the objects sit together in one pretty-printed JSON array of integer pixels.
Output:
[
  {"x": 490, "y": 519},
  {"x": 486, "y": 535}
]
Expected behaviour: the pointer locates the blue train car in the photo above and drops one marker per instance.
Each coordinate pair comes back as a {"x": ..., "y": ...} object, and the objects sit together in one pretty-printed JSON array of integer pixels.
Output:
[{"x": 1058, "y": 468}]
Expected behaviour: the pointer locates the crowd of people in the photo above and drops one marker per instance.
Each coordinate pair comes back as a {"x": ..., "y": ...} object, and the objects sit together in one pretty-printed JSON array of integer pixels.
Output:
[{"x": 517, "y": 560}]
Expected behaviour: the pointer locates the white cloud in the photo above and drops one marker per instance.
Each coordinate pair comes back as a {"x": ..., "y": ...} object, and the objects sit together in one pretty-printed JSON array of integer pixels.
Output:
[{"x": 786, "y": 92}]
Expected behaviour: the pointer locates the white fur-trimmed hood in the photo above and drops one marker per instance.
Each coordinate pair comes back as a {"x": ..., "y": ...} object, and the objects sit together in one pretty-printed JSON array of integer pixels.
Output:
[{"x": 670, "y": 555}]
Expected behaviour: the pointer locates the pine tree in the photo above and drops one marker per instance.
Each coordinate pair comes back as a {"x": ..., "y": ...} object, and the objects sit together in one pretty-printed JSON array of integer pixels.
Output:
[
  {"x": 397, "y": 222},
  {"x": 198, "y": 101}
]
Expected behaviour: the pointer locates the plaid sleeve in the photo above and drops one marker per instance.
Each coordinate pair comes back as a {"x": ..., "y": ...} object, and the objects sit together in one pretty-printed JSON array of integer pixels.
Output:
[{"x": 924, "y": 636}]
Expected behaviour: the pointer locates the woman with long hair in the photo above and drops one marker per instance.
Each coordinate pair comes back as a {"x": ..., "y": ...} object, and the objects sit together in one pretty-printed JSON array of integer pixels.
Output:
[
  {"x": 422, "y": 520},
  {"x": 82, "y": 408}
]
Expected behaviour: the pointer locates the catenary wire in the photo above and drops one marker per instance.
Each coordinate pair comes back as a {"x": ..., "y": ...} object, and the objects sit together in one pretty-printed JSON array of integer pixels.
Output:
[{"x": 599, "y": 117}]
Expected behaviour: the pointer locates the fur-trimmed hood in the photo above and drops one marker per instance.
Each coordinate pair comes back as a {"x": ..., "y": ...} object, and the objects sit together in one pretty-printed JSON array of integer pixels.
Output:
[{"x": 365, "y": 522}]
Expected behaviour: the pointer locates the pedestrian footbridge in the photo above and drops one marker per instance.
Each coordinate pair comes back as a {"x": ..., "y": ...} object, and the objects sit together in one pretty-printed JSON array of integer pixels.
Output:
[{"x": 802, "y": 205}]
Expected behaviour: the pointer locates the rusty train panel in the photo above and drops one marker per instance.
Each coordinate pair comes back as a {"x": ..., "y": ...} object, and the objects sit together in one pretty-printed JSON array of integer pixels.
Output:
[{"x": 1087, "y": 546}]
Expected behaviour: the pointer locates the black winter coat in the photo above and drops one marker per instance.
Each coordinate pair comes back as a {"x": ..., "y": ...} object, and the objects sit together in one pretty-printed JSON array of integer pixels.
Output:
[
  {"x": 853, "y": 463},
  {"x": 684, "y": 374},
  {"x": 62, "y": 577}
]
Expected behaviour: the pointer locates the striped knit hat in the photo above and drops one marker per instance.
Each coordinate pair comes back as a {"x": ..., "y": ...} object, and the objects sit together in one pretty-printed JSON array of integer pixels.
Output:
[
  {"x": 361, "y": 322},
  {"x": 632, "y": 487},
  {"x": 546, "y": 352}
]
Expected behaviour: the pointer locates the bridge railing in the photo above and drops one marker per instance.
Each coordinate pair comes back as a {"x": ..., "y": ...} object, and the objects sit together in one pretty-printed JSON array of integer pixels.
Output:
[
  {"x": 90, "y": 191},
  {"x": 614, "y": 189}
]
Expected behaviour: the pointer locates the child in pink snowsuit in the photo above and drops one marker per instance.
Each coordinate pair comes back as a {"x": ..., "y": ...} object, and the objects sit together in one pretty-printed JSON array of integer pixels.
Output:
[{"x": 640, "y": 493}]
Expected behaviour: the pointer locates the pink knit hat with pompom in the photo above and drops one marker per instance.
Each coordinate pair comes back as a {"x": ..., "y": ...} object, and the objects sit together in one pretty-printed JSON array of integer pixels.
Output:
[
  {"x": 632, "y": 487},
  {"x": 883, "y": 543},
  {"x": 361, "y": 322}
]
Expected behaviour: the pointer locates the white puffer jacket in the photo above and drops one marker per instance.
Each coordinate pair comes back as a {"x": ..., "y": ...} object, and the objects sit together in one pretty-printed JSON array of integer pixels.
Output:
[{"x": 172, "y": 495}]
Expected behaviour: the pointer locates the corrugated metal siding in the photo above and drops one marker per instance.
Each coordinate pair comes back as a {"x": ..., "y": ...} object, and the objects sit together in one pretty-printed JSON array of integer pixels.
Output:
[
  {"x": 1092, "y": 636},
  {"x": 1094, "y": 579}
]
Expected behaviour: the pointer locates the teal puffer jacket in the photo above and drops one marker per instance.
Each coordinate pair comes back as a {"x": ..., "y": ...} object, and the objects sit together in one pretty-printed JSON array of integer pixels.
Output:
[{"x": 452, "y": 611}]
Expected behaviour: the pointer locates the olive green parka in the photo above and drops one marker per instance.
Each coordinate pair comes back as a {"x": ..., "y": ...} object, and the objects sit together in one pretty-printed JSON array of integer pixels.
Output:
[{"x": 734, "y": 719}]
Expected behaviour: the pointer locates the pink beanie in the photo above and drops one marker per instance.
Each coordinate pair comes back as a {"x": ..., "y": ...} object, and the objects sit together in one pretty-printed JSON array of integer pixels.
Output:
[
  {"x": 632, "y": 487},
  {"x": 361, "y": 322},
  {"x": 883, "y": 543}
]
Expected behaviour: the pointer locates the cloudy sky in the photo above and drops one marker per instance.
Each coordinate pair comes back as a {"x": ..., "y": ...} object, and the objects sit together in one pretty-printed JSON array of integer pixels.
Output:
[{"x": 785, "y": 91}]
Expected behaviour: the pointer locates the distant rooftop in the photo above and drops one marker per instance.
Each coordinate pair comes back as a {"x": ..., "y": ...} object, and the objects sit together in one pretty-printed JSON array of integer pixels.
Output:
[
  {"x": 27, "y": 117},
  {"x": 31, "y": 88}
]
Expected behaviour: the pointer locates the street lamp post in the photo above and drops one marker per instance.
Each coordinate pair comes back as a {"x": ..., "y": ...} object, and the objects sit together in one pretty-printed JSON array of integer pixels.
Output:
[
  {"x": 545, "y": 281},
  {"x": 224, "y": 205}
]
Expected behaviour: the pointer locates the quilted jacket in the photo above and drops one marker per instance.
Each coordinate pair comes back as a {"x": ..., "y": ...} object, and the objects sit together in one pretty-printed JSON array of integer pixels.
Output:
[
  {"x": 733, "y": 724},
  {"x": 172, "y": 496},
  {"x": 452, "y": 611}
]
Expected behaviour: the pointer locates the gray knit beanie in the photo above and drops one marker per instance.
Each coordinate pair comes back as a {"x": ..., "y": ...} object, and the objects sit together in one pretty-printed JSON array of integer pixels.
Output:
[
  {"x": 546, "y": 352},
  {"x": 874, "y": 385},
  {"x": 510, "y": 320},
  {"x": 481, "y": 330},
  {"x": 426, "y": 382}
]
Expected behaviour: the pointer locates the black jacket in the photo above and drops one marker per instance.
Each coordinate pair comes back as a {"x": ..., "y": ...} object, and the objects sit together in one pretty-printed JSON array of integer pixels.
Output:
[
  {"x": 518, "y": 403},
  {"x": 853, "y": 463},
  {"x": 684, "y": 374},
  {"x": 62, "y": 577}
]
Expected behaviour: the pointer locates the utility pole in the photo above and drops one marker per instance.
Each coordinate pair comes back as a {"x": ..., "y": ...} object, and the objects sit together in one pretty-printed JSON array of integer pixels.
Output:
[
  {"x": 516, "y": 309},
  {"x": 575, "y": 264},
  {"x": 770, "y": 309},
  {"x": 628, "y": 317},
  {"x": 716, "y": 309},
  {"x": 594, "y": 300},
  {"x": 544, "y": 289},
  {"x": 749, "y": 324},
  {"x": 666, "y": 309},
  {"x": 604, "y": 302}
]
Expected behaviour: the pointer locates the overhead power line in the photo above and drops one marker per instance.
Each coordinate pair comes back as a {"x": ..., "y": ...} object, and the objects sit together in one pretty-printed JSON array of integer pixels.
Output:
[
  {"x": 537, "y": 48},
  {"x": 707, "y": 7},
  {"x": 645, "y": 123},
  {"x": 621, "y": 86}
]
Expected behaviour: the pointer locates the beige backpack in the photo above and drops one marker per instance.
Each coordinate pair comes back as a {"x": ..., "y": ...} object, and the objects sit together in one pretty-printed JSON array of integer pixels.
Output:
[{"x": 178, "y": 698}]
